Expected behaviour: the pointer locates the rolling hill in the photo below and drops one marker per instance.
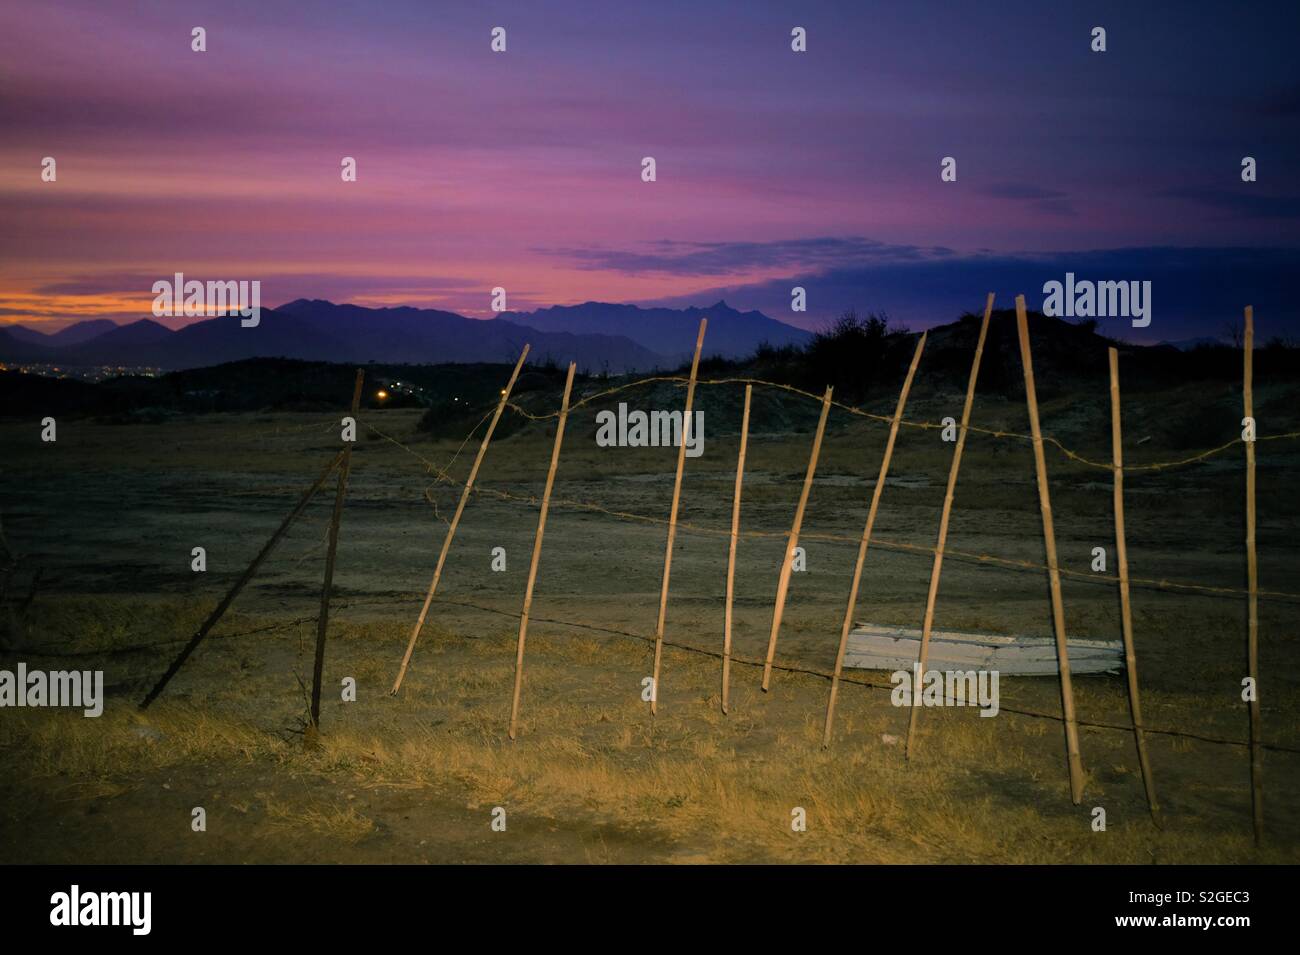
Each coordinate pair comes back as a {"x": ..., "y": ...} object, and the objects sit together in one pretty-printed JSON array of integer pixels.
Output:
[{"x": 599, "y": 337}]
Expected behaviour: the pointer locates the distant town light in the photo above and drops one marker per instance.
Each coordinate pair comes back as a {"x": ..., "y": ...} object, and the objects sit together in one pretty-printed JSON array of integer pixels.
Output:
[{"x": 381, "y": 394}]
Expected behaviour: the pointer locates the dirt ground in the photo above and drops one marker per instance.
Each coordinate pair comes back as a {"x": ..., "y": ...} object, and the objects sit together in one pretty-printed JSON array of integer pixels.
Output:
[{"x": 109, "y": 514}]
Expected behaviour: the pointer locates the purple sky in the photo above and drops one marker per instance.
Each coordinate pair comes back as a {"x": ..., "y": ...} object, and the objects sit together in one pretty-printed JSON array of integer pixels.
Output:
[{"x": 522, "y": 169}]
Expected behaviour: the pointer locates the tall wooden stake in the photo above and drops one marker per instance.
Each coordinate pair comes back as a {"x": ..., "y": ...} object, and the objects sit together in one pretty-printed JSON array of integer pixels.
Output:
[
  {"x": 221, "y": 608},
  {"x": 936, "y": 569},
  {"x": 1125, "y": 607},
  {"x": 731, "y": 553},
  {"x": 876, "y": 493},
  {"x": 783, "y": 582},
  {"x": 672, "y": 520},
  {"x": 1054, "y": 570},
  {"x": 455, "y": 521},
  {"x": 1252, "y": 583},
  {"x": 322, "y": 621},
  {"x": 537, "y": 550}
]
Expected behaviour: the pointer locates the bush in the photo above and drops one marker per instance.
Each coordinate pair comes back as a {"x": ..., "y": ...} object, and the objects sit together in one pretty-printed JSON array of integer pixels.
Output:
[{"x": 849, "y": 354}]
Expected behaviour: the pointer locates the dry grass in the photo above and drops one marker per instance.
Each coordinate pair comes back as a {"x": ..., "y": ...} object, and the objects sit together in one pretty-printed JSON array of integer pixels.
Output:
[
  {"x": 981, "y": 790},
  {"x": 691, "y": 784},
  {"x": 344, "y": 825}
]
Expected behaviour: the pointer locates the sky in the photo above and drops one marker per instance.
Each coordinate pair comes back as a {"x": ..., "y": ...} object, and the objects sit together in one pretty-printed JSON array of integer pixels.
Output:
[{"x": 774, "y": 169}]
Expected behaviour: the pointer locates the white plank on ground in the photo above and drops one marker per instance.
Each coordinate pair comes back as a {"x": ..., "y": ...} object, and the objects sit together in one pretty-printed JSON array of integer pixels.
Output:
[{"x": 876, "y": 647}]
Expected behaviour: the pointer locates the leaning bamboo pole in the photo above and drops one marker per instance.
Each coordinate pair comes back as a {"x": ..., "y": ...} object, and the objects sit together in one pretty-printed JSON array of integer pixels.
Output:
[
  {"x": 783, "y": 582},
  {"x": 322, "y": 620},
  {"x": 936, "y": 569},
  {"x": 672, "y": 520},
  {"x": 731, "y": 552},
  {"x": 1053, "y": 568},
  {"x": 537, "y": 550},
  {"x": 1252, "y": 583},
  {"x": 455, "y": 522},
  {"x": 1125, "y": 606},
  {"x": 876, "y": 494}
]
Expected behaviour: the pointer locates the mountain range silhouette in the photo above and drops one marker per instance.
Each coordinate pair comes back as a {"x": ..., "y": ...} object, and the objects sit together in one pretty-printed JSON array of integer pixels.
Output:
[{"x": 598, "y": 336}]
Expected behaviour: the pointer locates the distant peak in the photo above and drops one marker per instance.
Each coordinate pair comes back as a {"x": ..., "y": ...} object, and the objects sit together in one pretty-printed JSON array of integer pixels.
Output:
[{"x": 304, "y": 302}]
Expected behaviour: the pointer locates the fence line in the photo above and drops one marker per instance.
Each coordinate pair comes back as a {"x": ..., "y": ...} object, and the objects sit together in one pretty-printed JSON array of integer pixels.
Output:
[
  {"x": 827, "y": 675},
  {"x": 614, "y": 631},
  {"x": 923, "y": 425},
  {"x": 1069, "y": 718},
  {"x": 956, "y": 554}
]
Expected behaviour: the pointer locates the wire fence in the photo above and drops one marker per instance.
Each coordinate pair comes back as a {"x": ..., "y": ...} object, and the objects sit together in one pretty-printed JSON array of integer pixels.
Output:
[
  {"x": 921, "y": 425},
  {"x": 157, "y": 645},
  {"x": 443, "y": 476}
]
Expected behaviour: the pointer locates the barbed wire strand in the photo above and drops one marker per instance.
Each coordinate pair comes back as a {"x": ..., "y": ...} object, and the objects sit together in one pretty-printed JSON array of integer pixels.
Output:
[
  {"x": 899, "y": 546},
  {"x": 826, "y": 675},
  {"x": 921, "y": 425},
  {"x": 644, "y": 638}
]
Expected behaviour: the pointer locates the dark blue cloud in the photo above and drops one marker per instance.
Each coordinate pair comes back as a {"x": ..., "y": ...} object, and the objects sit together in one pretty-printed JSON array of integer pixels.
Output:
[
  {"x": 729, "y": 258},
  {"x": 1246, "y": 201},
  {"x": 1047, "y": 200},
  {"x": 1195, "y": 291}
]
